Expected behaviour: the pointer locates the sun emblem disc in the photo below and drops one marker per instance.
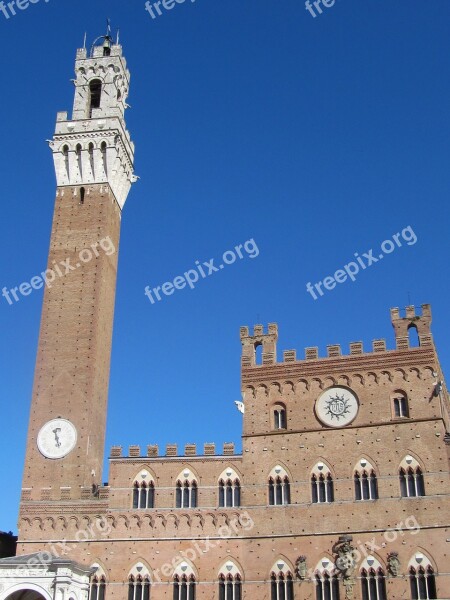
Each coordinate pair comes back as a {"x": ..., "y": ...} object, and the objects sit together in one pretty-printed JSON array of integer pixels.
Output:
[{"x": 337, "y": 407}]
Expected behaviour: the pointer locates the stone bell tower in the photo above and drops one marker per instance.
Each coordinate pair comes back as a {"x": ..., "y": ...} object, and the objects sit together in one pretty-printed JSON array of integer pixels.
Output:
[{"x": 93, "y": 157}]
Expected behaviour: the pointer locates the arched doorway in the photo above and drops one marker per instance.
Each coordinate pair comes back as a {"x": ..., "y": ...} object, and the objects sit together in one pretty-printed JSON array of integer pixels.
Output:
[{"x": 26, "y": 594}]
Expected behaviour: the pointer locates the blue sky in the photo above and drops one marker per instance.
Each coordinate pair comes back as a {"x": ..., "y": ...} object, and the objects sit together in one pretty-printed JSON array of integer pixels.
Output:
[{"x": 317, "y": 137}]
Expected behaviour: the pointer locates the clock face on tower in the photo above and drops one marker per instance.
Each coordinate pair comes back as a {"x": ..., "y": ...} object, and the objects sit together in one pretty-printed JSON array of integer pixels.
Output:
[
  {"x": 337, "y": 407},
  {"x": 57, "y": 438}
]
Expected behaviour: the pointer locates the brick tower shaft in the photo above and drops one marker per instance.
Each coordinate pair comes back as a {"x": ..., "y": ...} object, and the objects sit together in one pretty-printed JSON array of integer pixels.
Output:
[{"x": 93, "y": 157}]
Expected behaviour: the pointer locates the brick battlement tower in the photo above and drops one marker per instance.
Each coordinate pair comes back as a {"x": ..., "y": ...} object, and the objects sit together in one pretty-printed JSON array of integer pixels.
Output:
[{"x": 93, "y": 157}]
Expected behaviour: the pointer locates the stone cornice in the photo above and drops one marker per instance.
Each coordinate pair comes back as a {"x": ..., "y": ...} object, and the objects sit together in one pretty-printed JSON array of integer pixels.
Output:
[
  {"x": 390, "y": 359},
  {"x": 31, "y": 508}
]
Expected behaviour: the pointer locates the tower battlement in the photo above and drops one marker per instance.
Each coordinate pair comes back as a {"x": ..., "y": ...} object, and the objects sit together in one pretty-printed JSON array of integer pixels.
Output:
[
  {"x": 190, "y": 451},
  {"x": 268, "y": 341},
  {"x": 412, "y": 320},
  {"x": 402, "y": 325}
]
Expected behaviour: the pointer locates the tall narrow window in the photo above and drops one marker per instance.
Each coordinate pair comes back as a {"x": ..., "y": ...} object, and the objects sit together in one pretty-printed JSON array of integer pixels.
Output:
[
  {"x": 365, "y": 481},
  {"x": 322, "y": 488},
  {"x": 78, "y": 151},
  {"x": 179, "y": 495},
  {"x": 65, "y": 152},
  {"x": 411, "y": 479},
  {"x": 103, "y": 148},
  {"x": 279, "y": 417},
  {"x": 373, "y": 584},
  {"x": 136, "y": 490},
  {"x": 413, "y": 335},
  {"x": 258, "y": 354},
  {"x": 400, "y": 408},
  {"x": 91, "y": 159},
  {"x": 422, "y": 582},
  {"x": 95, "y": 94},
  {"x": 82, "y": 195}
]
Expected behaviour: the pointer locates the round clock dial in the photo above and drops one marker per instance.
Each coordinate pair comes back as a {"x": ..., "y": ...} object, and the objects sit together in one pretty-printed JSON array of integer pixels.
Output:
[
  {"x": 57, "y": 438},
  {"x": 337, "y": 407}
]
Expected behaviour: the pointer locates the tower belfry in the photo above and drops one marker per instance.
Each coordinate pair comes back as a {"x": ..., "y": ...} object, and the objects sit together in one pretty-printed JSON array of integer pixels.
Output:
[
  {"x": 95, "y": 146},
  {"x": 93, "y": 156}
]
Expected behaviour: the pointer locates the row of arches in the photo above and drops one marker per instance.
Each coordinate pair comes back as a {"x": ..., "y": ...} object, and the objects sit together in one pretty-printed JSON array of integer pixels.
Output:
[
  {"x": 92, "y": 165},
  {"x": 80, "y": 146},
  {"x": 365, "y": 482},
  {"x": 303, "y": 385},
  {"x": 281, "y": 579}
]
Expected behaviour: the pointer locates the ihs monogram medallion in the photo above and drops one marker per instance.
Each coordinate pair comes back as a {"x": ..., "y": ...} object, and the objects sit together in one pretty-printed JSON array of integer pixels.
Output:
[{"x": 337, "y": 407}]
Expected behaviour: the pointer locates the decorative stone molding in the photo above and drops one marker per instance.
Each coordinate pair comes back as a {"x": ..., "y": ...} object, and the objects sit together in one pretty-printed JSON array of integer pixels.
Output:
[{"x": 48, "y": 576}]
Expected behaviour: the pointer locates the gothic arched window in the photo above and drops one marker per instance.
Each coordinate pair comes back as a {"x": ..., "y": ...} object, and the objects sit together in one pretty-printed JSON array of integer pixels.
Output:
[
  {"x": 144, "y": 491},
  {"x": 186, "y": 490},
  {"x": 281, "y": 582},
  {"x": 139, "y": 583},
  {"x": 326, "y": 582},
  {"x": 97, "y": 588},
  {"x": 322, "y": 488},
  {"x": 139, "y": 587},
  {"x": 229, "y": 489},
  {"x": 279, "y": 487},
  {"x": 230, "y": 586},
  {"x": 411, "y": 479},
  {"x": 373, "y": 584},
  {"x": 184, "y": 587},
  {"x": 421, "y": 578},
  {"x": 365, "y": 480}
]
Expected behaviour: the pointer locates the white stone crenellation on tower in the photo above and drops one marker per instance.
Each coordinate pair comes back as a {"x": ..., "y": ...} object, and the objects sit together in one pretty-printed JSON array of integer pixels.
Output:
[{"x": 94, "y": 147}]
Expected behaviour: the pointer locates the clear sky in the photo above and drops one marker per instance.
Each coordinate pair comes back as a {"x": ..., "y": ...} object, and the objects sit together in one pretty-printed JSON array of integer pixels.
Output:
[{"x": 318, "y": 138}]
